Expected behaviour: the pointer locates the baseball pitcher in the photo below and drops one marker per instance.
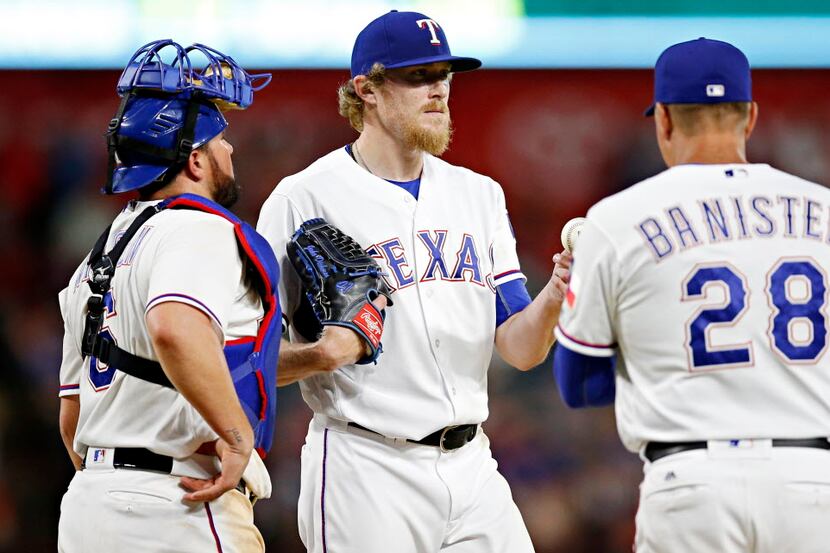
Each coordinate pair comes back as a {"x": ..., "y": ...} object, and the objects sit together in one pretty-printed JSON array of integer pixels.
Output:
[{"x": 395, "y": 458}]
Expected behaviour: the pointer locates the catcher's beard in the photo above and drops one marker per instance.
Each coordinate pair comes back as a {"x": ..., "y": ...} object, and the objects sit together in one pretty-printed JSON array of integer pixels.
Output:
[
  {"x": 225, "y": 189},
  {"x": 432, "y": 140}
]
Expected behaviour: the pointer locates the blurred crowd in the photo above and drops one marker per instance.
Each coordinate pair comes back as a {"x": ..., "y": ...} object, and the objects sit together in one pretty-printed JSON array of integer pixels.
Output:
[{"x": 557, "y": 141}]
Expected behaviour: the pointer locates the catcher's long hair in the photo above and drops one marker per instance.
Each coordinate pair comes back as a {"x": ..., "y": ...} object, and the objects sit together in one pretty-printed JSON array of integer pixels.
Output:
[{"x": 350, "y": 104}]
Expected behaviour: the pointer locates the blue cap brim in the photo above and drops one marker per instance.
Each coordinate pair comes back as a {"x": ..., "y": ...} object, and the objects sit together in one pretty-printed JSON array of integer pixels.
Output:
[
  {"x": 135, "y": 176},
  {"x": 458, "y": 63}
]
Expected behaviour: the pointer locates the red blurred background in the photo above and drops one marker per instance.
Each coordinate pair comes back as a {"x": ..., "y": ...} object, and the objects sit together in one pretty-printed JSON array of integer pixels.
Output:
[{"x": 556, "y": 140}]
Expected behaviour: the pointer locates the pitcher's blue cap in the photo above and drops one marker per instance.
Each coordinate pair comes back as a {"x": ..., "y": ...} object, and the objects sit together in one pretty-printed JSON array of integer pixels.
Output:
[
  {"x": 701, "y": 71},
  {"x": 403, "y": 39}
]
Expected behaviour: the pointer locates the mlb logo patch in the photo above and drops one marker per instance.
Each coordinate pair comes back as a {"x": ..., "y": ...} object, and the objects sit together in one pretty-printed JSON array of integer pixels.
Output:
[
  {"x": 736, "y": 173},
  {"x": 715, "y": 90},
  {"x": 98, "y": 455}
]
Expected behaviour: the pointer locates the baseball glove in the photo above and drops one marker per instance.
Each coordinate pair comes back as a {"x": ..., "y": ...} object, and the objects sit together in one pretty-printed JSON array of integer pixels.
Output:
[{"x": 340, "y": 281}]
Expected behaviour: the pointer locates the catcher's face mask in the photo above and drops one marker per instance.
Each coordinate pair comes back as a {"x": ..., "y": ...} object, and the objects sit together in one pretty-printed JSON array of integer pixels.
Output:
[{"x": 170, "y": 108}]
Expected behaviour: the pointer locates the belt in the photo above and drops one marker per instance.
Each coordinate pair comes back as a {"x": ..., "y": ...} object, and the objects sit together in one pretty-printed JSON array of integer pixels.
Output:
[
  {"x": 139, "y": 458},
  {"x": 658, "y": 450},
  {"x": 447, "y": 438}
]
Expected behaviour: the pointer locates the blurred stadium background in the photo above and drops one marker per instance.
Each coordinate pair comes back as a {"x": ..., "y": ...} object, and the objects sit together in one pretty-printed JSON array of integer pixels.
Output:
[{"x": 556, "y": 118}]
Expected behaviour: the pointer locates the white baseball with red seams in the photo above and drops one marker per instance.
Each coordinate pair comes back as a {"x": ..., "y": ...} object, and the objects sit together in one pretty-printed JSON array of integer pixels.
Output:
[{"x": 570, "y": 232}]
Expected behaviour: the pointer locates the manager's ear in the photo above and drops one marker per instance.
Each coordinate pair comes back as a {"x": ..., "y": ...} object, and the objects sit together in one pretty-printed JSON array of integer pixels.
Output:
[
  {"x": 663, "y": 122},
  {"x": 664, "y": 129},
  {"x": 753, "y": 118}
]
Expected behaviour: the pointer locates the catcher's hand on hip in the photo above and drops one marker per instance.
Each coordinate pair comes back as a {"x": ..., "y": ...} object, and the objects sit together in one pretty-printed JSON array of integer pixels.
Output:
[
  {"x": 341, "y": 281},
  {"x": 234, "y": 461}
]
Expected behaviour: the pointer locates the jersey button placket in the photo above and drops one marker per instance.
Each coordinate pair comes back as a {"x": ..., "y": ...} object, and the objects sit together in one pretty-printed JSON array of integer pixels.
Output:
[{"x": 426, "y": 291}]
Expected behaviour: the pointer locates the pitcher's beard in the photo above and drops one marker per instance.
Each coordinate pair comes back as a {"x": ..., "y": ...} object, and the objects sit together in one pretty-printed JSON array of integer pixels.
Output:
[{"x": 431, "y": 140}]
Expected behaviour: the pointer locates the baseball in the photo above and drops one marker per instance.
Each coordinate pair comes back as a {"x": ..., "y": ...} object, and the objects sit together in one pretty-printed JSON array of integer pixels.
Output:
[{"x": 570, "y": 232}]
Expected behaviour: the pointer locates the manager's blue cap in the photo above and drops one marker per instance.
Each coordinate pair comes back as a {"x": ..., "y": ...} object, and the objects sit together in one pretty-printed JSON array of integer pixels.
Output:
[
  {"x": 403, "y": 39},
  {"x": 701, "y": 71}
]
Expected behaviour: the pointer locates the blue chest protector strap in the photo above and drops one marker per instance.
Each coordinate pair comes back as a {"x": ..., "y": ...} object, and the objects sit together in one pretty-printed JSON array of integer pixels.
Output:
[{"x": 252, "y": 361}]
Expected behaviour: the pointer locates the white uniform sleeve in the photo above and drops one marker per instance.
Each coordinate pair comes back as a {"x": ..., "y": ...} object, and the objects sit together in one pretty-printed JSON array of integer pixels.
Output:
[
  {"x": 182, "y": 272},
  {"x": 72, "y": 362},
  {"x": 503, "y": 248},
  {"x": 277, "y": 222},
  {"x": 586, "y": 322}
]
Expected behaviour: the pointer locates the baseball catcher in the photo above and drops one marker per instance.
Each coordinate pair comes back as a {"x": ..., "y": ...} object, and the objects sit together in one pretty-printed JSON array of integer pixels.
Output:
[{"x": 168, "y": 379}]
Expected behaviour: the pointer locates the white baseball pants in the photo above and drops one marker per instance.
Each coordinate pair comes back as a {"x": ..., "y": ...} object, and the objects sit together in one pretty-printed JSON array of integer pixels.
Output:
[
  {"x": 363, "y": 493},
  {"x": 753, "y": 498},
  {"x": 134, "y": 510}
]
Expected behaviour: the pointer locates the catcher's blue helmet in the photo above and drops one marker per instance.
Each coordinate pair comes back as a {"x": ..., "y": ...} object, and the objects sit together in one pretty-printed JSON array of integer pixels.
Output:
[
  {"x": 168, "y": 109},
  {"x": 157, "y": 122}
]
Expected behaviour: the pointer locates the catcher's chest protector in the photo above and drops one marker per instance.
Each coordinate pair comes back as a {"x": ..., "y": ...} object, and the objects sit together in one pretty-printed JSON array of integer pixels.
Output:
[{"x": 252, "y": 362}]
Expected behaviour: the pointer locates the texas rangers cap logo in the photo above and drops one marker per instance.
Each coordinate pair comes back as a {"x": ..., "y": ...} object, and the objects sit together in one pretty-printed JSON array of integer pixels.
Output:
[
  {"x": 431, "y": 25},
  {"x": 403, "y": 39}
]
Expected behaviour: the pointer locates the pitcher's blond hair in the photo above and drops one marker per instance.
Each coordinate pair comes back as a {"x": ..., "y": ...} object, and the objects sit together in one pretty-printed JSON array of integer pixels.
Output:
[{"x": 350, "y": 105}]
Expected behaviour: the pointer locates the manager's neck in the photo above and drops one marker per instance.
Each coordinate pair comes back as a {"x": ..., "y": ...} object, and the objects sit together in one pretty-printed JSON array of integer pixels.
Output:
[{"x": 707, "y": 149}]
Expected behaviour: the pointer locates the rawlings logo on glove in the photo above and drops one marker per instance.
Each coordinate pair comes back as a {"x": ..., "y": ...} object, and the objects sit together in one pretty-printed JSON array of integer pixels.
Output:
[
  {"x": 340, "y": 281},
  {"x": 371, "y": 324}
]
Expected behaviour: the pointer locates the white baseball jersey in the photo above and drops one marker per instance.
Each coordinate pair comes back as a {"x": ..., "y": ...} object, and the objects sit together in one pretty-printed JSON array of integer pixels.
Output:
[
  {"x": 165, "y": 261},
  {"x": 711, "y": 283},
  {"x": 444, "y": 254}
]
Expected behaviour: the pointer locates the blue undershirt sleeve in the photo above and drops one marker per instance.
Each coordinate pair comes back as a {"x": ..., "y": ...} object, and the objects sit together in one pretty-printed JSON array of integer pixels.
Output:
[
  {"x": 511, "y": 297},
  {"x": 584, "y": 381}
]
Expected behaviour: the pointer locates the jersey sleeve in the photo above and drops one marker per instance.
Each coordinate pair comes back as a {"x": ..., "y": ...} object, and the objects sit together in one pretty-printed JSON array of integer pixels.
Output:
[
  {"x": 584, "y": 380},
  {"x": 586, "y": 322},
  {"x": 503, "y": 247},
  {"x": 508, "y": 279},
  {"x": 197, "y": 264},
  {"x": 511, "y": 297},
  {"x": 72, "y": 360},
  {"x": 278, "y": 220}
]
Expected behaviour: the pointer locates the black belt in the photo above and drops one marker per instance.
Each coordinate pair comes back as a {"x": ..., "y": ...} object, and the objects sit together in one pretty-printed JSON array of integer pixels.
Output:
[
  {"x": 658, "y": 450},
  {"x": 139, "y": 458},
  {"x": 448, "y": 438}
]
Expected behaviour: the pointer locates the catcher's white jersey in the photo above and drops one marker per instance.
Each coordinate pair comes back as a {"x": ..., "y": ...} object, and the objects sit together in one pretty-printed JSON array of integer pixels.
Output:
[
  {"x": 165, "y": 261},
  {"x": 711, "y": 282},
  {"x": 445, "y": 254}
]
